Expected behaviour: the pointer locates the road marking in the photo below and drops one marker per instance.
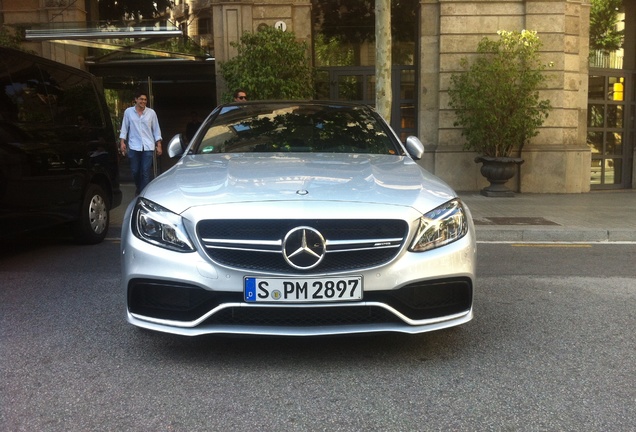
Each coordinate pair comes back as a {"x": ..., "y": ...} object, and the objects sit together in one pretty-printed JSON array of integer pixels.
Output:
[
  {"x": 552, "y": 245},
  {"x": 557, "y": 244}
]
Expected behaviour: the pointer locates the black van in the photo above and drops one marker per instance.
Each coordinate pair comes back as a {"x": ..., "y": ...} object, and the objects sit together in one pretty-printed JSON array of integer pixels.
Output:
[{"x": 58, "y": 149}]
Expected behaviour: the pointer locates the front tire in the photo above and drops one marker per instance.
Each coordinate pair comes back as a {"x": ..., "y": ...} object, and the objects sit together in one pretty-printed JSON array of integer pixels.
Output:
[{"x": 92, "y": 226}]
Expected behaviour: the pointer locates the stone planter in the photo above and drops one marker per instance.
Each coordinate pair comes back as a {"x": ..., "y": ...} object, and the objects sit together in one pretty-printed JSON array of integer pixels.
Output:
[{"x": 498, "y": 170}]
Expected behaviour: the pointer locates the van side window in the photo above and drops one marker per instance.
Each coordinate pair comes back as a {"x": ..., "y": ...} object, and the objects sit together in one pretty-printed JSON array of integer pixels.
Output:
[
  {"x": 71, "y": 96},
  {"x": 26, "y": 98}
]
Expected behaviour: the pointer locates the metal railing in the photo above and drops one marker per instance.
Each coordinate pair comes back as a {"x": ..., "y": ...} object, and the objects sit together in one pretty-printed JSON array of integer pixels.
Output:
[{"x": 605, "y": 60}]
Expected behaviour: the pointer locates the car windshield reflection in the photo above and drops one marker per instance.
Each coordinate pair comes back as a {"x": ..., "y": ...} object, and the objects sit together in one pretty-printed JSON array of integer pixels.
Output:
[{"x": 297, "y": 128}]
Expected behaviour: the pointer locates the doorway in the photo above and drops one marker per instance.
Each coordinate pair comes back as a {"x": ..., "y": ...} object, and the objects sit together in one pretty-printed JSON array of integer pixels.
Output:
[{"x": 610, "y": 127}]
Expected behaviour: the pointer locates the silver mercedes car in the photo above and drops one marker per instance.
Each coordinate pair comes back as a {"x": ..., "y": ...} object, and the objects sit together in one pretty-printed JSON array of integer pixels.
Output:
[{"x": 297, "y": 219}]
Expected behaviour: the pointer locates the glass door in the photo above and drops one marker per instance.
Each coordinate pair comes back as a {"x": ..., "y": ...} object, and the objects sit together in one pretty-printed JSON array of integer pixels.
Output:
[{"x": 610, "y": 125}]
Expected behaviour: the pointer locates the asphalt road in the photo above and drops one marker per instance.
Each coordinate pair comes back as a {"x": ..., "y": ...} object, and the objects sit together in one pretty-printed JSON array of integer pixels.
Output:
[{"x": 552, "y": 348}]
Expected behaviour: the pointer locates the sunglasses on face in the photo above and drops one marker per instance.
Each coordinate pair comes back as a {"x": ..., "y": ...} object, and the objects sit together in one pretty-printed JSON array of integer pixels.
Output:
[{"x": 242, "y": 97}]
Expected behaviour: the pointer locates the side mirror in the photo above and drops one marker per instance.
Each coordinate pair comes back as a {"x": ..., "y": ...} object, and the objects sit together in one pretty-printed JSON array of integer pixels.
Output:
[
  {"x": 176, "y": 146},
  {"x": 415, "y": 147}
]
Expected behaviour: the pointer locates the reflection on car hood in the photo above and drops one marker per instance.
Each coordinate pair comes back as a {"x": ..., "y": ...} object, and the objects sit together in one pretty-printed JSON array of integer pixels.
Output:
[{"x": 246, "y": 177}]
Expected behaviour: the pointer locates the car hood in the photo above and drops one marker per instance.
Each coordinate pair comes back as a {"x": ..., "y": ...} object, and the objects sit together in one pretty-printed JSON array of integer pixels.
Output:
[{"x": 201, "y": 180}]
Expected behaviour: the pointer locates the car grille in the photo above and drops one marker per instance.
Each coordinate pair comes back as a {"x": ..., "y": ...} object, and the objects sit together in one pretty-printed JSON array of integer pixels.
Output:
[{"x": 257, "y": 245}]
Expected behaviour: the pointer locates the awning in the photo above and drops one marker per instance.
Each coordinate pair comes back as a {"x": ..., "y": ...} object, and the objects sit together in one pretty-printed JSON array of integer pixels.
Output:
[{"x": 147, "y": 39}]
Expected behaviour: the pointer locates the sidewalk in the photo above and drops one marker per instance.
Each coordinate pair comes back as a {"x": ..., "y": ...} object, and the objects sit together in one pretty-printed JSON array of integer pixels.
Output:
[
  {"x": 603, "y": 216},
  {"x": 599, "y": 216}
]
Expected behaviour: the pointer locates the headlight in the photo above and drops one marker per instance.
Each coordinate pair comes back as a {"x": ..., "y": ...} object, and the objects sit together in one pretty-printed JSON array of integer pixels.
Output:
[
  {"x": 160, "y": 226},
  {"x": 440, "y": 227}
]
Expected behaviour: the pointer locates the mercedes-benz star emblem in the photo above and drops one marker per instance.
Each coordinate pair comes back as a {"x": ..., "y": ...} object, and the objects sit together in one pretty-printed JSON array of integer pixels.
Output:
[{"x": 303, "y": 248}]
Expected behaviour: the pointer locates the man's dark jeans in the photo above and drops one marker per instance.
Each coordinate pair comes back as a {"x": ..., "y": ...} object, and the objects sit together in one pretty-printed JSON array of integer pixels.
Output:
[{"x": 141, "y": 167}]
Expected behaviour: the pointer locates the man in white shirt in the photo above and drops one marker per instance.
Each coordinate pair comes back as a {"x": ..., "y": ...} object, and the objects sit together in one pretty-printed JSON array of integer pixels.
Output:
[{"x": 140, "y": 127}]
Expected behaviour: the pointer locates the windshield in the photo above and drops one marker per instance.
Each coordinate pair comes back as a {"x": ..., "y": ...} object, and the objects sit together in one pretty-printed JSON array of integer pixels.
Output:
[{"x": 311, "y": 128}]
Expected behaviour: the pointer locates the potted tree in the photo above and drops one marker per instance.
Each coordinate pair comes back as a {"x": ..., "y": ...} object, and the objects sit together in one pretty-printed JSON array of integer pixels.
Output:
[
  {"x": 270, "y": 64},
  {"x": 497, "y": 105}
]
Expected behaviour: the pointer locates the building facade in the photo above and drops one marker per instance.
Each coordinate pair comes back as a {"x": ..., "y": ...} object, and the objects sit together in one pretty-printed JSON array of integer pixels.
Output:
[
  {"x": 565, "y": 157},
  {"x": 587, "y": 142}
]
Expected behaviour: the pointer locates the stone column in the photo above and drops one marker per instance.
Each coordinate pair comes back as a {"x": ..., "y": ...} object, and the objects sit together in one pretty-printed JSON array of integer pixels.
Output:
[
  {"x": 462, "y": 25},
  {"x": 558, "y": 159},
  {"x": 429, "y": 81},
  {"x": 229, "y": 21},
  {"x": 60, "y": 13}
]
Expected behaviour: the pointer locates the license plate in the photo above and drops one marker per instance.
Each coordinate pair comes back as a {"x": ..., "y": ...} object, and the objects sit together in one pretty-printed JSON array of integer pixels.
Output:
[{"x": 297, "y": 290}]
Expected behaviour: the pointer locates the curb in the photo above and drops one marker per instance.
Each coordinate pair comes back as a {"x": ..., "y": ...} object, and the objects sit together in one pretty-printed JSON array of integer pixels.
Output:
[{"x": 556, "y": 235}]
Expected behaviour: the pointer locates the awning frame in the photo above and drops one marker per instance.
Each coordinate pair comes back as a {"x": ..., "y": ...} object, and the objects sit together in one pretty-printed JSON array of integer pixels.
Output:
[{"x": 103, "y": 36}]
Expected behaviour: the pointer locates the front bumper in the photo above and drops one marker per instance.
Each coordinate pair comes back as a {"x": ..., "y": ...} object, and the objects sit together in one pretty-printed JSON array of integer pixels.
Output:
[{"x": 189, "y": 310}]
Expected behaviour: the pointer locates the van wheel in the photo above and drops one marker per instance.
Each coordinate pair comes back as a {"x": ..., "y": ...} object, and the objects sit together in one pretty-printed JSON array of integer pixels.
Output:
[{"x": 92, "y": 226}]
